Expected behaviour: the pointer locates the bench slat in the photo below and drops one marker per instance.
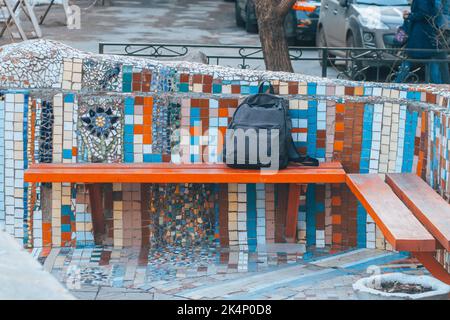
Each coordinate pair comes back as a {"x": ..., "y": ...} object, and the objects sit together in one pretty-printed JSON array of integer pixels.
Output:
[
  {"x": 172, "y": 173},
  {"x": 396, "y": 221},
  {"x": 428, "y": 206}
]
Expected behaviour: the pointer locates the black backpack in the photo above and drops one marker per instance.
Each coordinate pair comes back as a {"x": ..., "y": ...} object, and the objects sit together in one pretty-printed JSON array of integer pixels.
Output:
[{"x": 257, "y": 112}]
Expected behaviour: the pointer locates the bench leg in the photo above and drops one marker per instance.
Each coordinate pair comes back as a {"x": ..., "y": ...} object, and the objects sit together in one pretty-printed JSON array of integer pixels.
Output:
[
  {"x": 98, "y": 220},
  {"x": 292, "y": 212},
  {"x": 434, "y": 267}
]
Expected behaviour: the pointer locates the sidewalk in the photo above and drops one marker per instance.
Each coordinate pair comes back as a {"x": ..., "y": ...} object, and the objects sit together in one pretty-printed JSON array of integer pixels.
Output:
[
  {"x": 22, "y": 278},
  {"x": 107, "y": 273}
]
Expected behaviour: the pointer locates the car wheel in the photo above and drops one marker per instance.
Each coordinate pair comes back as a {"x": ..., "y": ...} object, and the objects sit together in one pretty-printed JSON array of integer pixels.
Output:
[
  {"x": 321, "y": 42},
  {"x": 250, "y": 26},
  {"x": 237, "y": 11}
]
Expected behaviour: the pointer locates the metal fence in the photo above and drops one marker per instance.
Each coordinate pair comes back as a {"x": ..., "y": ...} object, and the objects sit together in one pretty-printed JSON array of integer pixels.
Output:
[{"x": 346, "y": 63}]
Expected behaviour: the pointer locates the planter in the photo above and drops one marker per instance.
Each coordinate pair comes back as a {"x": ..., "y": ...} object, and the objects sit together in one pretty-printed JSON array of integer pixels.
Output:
[{"x": 370, "y": 289}]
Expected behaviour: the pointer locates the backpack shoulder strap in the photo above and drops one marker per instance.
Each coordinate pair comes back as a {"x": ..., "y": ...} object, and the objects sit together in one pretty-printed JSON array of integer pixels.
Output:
[
  {"x": 269, "y": 90},
  {"x": 294, "y": 156}
]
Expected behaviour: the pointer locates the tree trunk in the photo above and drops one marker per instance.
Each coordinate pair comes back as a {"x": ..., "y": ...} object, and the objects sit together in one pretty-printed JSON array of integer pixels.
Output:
[{"x": 271, "y": 15}]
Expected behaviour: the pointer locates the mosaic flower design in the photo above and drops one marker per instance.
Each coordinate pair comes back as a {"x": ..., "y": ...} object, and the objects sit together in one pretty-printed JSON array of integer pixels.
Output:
[
  {"x": 100, "y": 129},
  {"x": 100, "y": 122}
]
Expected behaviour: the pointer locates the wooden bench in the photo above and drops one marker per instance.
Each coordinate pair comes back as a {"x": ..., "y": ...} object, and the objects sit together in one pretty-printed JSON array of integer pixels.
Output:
[
  {"x": 397, "y": 223},
  {"x": 95, "y": 174},
  {"x": 183, "y": 173},
  {"x": 428, "y": 206}
]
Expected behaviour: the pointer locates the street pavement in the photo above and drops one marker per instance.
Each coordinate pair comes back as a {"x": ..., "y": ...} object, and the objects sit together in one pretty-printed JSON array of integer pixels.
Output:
[{"x": 207, "y": 22}]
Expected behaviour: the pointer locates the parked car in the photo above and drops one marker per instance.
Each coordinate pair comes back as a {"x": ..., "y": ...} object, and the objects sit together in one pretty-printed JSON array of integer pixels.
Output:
[
  {"x": 359, "y": 23},
  {"x": 300, "y": 24},
  {"x": 307, "y": 14}
]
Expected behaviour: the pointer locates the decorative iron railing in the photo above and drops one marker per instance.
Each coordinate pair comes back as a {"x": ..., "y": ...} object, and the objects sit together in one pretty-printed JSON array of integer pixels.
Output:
[{"x": 348, "y": 63}]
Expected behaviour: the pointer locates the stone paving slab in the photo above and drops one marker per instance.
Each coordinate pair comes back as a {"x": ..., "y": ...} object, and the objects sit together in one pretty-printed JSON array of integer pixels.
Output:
[
  {"x": 23, "y": 278},
  {"x": 320, "y": 277}
]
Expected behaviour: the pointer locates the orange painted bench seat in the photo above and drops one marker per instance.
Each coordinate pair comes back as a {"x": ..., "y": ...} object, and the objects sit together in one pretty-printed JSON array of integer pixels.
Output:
[
  {"x": 427, "y": 205},
  {"x": 331, "y": 172},
  {"x": 397, "y": 223}
]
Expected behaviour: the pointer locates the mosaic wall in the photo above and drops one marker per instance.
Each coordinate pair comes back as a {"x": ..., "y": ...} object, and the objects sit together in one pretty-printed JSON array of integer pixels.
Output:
[{"x": 73, "y": 107}]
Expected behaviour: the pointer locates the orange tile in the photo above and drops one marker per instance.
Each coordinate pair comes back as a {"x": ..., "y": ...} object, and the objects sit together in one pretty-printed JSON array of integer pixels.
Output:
[
  {"x": 337, "y": 238},
  {"x": 147, "y": 130},
  {"x": 223, "y": 131},
  {"x": 148, "y": 101},
  {"x": 359, "y": 91},
  {"x": 197, "y": 131},
  {"x": 339, "y": 126},
  {"x": 223, "y": 112},
  {"x": 138, "y": 129},
  {"x": 46, "y": 227},
  {"x": 147, "y": 119},
  {"x": 419, "y": 164},
  {"x": 340, "y": 107},
  {"x": 147, "y": 139},
  {"x": 74, "y": 151},
  {"x": 336, "y": 219},
  {"x": 336, "y": 201},
  {"x": 148, "y": 110},
  {"x": 424, "y": 117},
  {"x": 66, "y": 237},
  {"x": 338, "y": 145},
  {"x": 46, "y": 234}
]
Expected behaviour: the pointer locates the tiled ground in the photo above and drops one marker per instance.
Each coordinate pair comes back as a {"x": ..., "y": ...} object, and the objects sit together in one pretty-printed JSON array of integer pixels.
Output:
[{"x": 279, "y": 272}]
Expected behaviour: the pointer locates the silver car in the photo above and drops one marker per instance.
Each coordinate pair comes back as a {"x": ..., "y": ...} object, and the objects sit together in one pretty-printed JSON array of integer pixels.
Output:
[{"x": 359, "y": 23}]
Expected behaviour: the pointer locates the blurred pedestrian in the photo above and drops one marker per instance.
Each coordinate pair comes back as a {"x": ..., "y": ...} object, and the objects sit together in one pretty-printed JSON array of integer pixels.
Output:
[
  {"x": 422, "y": 34},
  {"x": 441, "y": 24}
]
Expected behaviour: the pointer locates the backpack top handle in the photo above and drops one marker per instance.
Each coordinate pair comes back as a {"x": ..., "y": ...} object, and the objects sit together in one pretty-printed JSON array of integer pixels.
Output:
[{"x": 261, "y": 88}]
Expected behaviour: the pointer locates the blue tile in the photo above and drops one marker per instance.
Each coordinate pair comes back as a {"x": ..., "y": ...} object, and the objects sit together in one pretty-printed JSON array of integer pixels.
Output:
[
  {"x": 128, "y": 138},
  {"x": 311, "y": 215},
  {"x": 195, "y": 112},
  {"x": 69, "y": 98},
  {"x": 128, "y": 129},
  {"x": 183, "y": 87},
  {"x": 66, "y": 210},
  {"x": 129, "y": 106},
  {"x": 152, "y": 158},
  {"x": 361, "y": 220},
  {"x": 128, "y": 148},
  {"x": 312, "y": 87},
  {"x": 67, "y": 154}
]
